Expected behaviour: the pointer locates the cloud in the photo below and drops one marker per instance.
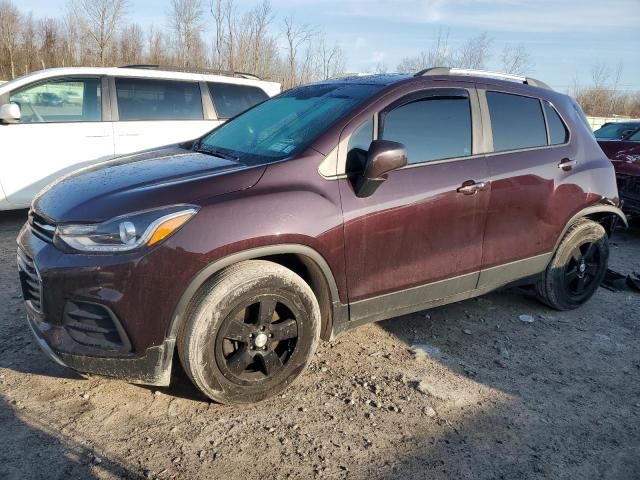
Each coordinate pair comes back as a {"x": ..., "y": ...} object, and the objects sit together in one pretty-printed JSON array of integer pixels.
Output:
[{"x": 492, "y": 15}]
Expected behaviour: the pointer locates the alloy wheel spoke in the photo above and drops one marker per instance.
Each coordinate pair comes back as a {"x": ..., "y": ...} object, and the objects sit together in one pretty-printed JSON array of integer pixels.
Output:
[
  {"x": 571, "y": 275},
  {"x": 265, "y": 312},
  {"x": 582, "y": 282},
  {"x": 238, "y": 331},
  {"x": 576, "y": 254},
  {"x": 592, "y": 268},
  {"x": 285, "y": 330},
  {"x": 239, "y": 361},
  {"x": 271, "y": 362}
]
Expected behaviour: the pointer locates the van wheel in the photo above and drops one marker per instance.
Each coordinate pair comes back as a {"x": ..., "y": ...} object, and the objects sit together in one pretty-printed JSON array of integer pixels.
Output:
[
  {"x": 577, "y": 268},
  {"x": 249, "y": 333}
]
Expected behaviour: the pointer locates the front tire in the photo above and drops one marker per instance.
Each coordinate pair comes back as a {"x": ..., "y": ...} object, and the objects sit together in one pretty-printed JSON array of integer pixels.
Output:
[
  {"x": 249, "y": 333},
  {"x": 577, "y": 268}
]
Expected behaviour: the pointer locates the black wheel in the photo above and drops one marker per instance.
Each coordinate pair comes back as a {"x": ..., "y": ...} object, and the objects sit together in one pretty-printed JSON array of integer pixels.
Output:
[
  {"x": 250, "y": 332},
  {"x": 577, "y": 268}
]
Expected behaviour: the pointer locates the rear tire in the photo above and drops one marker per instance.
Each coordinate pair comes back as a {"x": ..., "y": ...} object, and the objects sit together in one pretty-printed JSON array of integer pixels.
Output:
[
  {"x": 249, "y": 333},
  {"x": 577, "y": 268}
]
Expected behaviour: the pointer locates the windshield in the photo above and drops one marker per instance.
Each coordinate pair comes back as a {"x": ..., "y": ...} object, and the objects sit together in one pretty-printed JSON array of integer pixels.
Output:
[
  {"x": 615, "y": 131},
  {"x": 286, "y": 124},
  {"x": 635, "y": 137}
]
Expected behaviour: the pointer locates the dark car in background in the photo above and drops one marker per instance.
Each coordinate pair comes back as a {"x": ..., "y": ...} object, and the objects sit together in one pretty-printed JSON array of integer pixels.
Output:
[
  {"x": 327, "y": 207},
  {"x": 621, "y": 144}
]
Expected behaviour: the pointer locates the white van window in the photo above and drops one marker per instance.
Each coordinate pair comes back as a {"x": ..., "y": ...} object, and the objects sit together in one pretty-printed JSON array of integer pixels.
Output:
[
  {"x": 60, "y": 100},
  {"x": 148, "y": 99},
  {"x": 231, "y": 99}
]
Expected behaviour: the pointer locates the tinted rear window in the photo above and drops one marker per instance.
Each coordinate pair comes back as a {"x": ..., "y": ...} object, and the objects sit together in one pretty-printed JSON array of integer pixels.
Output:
[
  {"x": 231, "y": 100},
  {"x": 558, "y": 132},
  {"x": 432, "y": 129},
  {"x": 148, "y": 99},
  {"x": 517, "y": 122}
]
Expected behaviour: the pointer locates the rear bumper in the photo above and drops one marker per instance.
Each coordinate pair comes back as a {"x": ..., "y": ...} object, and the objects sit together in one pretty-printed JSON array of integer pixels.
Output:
[{"x": 152, "y": 368}]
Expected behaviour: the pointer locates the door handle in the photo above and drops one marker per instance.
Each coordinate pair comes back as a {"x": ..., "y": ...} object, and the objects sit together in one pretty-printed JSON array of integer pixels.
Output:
[
  {"x": 470, "y": 187},
  {"x": 566, "y": 164}
]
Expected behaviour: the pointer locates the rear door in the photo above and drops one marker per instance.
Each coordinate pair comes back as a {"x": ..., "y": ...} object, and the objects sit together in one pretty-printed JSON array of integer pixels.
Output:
[
  {"x": 156, "y": 112},
  {"x": 64, "y": 126},
  {"x": 532, "y": 192},
  {"x": 419, "y": 227}
]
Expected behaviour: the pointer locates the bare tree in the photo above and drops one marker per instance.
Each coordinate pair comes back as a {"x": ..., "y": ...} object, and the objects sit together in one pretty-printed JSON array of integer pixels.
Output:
[
  {"x": 185, "y": 20},
  {"x": 475, "y": 52},
  {"x": 9, "y": 32},
  {"x": 102, "y": 17},
  {"x": 438, "y": 55},
  {"x": 331, "y": 59},
  {"x": 219, "y": 13},
  {"x": 516, "y": 59},
  {"x": 131, "y": 45},
  {"x": 296, "y": 36}
]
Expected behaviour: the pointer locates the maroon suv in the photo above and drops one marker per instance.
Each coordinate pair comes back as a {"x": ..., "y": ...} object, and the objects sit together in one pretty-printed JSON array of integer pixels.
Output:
[{"x": 327, "y": 207}]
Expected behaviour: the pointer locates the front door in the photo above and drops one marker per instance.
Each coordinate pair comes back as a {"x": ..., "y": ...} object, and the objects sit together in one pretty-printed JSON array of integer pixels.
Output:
[
  {"x": 422, "y": 227},
  {"x": 61, "y": 129}
]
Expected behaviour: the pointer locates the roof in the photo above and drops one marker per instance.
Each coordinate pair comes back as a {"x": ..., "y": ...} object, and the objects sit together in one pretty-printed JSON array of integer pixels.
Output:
[{"x": 272, "y": 88}]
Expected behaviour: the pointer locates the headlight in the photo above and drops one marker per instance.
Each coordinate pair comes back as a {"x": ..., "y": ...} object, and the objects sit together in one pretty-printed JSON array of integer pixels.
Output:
[{"x": 126, "y": 232}]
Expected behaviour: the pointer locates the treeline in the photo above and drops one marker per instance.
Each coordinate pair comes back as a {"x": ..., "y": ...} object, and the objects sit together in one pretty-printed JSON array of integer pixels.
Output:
[
  {"x": 221, "y": 35},
  {"x": 98, "y": 33}
]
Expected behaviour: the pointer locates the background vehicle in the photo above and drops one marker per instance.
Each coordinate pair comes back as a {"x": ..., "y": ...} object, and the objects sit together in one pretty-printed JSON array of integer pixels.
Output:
[
  {"x": 57, "y": 120},
  {"x": 624, "y": 152},
  {"x": 617, "y": 131},
  {"x": 330, "y": 206}
]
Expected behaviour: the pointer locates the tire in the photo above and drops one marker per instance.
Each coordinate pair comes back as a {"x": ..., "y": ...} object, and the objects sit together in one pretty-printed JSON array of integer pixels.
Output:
[
  {"x": 577, "y": 268},
  {"x": 249, "y": 333}
]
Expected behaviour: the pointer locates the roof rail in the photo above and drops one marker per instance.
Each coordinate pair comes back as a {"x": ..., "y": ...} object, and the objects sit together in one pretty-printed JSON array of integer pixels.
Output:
[
  {"x": 481, "y": 73},
  {"x": 172, "y": 68}
]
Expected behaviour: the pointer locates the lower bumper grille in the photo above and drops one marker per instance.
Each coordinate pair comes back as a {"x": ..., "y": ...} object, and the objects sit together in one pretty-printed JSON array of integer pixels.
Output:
[
  {"x": 30, "y": 281},
  {"x": 94, "y": 325}
]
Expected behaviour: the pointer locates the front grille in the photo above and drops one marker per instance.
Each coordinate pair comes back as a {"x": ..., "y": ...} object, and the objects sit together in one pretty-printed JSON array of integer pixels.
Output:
[
  {"x": 30, "y": 281},
  {"x": 42, "y": 227},
  {"x": 94, "y": 325}
]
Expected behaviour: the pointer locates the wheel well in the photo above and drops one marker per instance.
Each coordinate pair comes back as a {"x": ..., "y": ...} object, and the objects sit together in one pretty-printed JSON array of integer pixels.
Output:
[
  {"x": 311, "y": 273},
  {"x": 607, "y": 219}
]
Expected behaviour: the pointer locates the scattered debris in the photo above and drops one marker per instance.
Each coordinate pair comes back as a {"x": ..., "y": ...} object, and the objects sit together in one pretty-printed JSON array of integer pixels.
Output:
[
  {"x": 424, "y": 350},
  {"x": 526, "y": 318},
  {"x": 616, "y": 282},
  {"x": 96, "y": 460},
  {"x": 466, "y": 331}
]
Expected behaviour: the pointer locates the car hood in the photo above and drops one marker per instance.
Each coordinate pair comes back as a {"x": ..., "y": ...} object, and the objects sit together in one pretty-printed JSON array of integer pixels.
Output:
[{"x": 155, "y": 178}]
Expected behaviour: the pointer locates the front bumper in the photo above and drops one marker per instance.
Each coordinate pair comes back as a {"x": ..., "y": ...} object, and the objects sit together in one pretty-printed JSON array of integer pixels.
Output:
[
  {"x": 152, "y": 368},
  {"x": 134, "y": 290}
]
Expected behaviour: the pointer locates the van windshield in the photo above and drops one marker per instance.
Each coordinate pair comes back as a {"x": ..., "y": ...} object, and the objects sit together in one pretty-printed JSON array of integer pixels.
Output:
[{"x": 284, "y": 125}]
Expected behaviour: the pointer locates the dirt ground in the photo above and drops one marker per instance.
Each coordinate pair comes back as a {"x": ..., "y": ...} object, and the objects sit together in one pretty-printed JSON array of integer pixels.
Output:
[{"x": 485, "y": 396}]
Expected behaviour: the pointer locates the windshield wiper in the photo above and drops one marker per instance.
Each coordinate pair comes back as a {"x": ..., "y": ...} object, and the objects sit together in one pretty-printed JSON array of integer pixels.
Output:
[{"x": 218, "y": 153}]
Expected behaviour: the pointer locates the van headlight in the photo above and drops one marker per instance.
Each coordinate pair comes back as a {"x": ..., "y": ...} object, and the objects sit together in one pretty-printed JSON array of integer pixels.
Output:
[{"x": 126, "y": 232}]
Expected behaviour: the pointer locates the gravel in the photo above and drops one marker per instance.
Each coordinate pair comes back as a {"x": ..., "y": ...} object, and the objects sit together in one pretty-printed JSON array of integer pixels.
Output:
[{"x": 557, "y": 399}]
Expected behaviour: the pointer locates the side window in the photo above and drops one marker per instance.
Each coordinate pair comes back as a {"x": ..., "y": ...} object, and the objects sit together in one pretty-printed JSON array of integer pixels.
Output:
[
  {"x": 558, "y": 132},
  {"x": 61, "y": 100},
  {"x": 435, "y": 128},
  {"x": 516, "y": 121},
  {"x": 231, "y": 99},
  {"x": 362, "y": 137},
  {"x": 150, "y": 99}
]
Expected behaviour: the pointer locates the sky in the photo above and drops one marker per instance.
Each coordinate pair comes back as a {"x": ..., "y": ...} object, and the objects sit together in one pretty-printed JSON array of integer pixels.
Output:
[{"x": 566, "y": 38}]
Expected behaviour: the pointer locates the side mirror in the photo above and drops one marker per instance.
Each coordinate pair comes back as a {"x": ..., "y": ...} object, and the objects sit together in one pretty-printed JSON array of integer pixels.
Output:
[
  {"x": 383, "y": 157},
  {"x": 10, "y": 113}
]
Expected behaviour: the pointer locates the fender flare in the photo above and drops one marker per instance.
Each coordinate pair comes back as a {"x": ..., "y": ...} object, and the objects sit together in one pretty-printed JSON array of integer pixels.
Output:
[
  {"x": 250, "y": 254},
  {"x": 593, "y": 209}
]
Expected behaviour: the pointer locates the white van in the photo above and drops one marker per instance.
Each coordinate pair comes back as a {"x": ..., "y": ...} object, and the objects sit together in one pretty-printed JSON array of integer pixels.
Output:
[{"x": 57, "y": 120}]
